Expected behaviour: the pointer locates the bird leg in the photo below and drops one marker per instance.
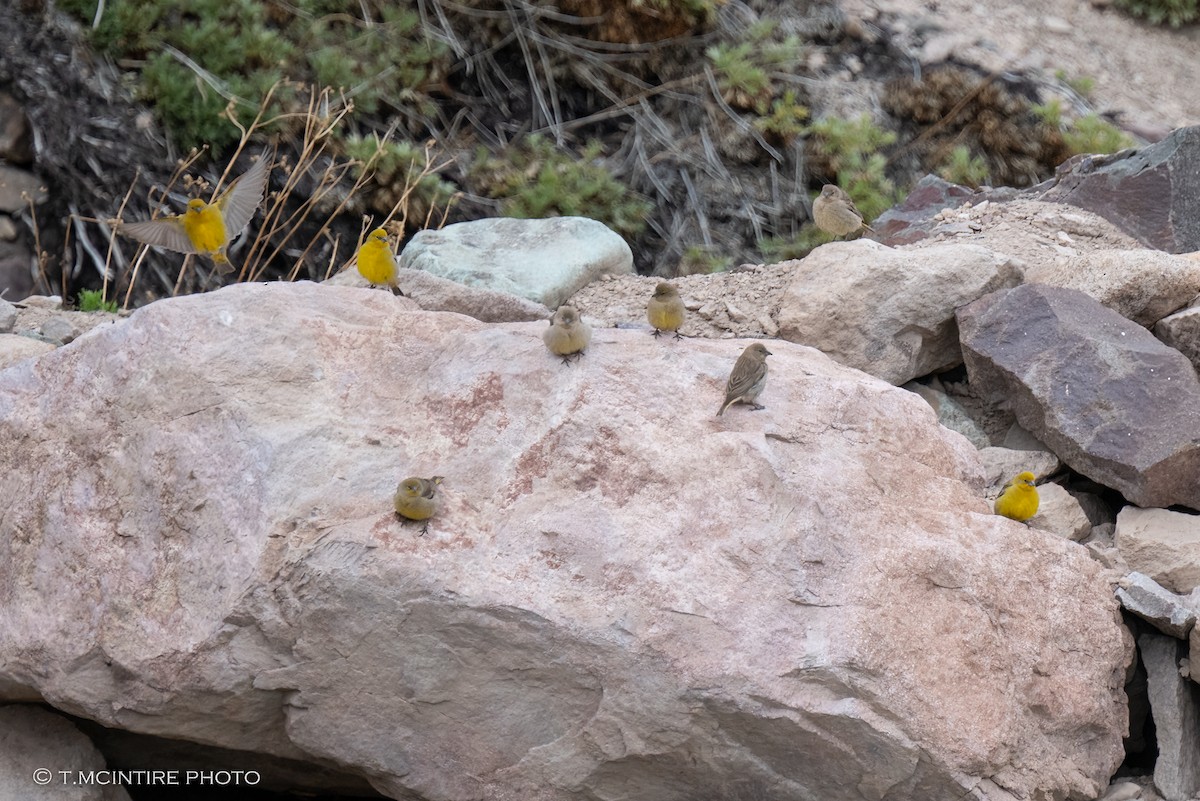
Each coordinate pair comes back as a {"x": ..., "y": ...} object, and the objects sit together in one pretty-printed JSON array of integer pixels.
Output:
[
  {"x": 656, "y": 333},
  {"x": 678, "y": 335}
]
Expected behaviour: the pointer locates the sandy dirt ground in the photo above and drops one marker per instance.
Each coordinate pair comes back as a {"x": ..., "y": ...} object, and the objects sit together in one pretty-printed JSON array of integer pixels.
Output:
[{"x": 1148, "y": 75}]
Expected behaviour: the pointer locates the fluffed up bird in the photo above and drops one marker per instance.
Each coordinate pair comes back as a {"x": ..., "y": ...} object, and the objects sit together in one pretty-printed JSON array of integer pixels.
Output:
[
  {"x": 1019, "y": 501},
  {"x": 417, "y": 499},
  {"x": 376, "y": 261},
  {"x": 834, "y": 212},
  {"x": 568, "y": 334},
  {"x": 665, "y": 310},
  {"x": 208, "y": 228},
  {"x": 748, "y": 378}
]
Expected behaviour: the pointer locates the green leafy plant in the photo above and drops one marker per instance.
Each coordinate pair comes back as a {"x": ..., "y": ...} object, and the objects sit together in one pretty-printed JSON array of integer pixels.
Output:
[
  {"x": 963, "y": 168},
  {"x": 701, "y": 260},
  {"x": 1171, "y": 12},
  {"x": 1087, "y": 134},
  {"x": 1083, "y": 85},
  {"x": 202, "y": 60},
  {"x": 848, "y": 150},
  {"x": 1091, "y": 134},
  {"x": 786, "y": 118},
  {"x": 536, "y": 179},
  {"x": 743, "y": 69},
  {"x": 400, "y": 176},
  {"x": 92, "y": 300}
]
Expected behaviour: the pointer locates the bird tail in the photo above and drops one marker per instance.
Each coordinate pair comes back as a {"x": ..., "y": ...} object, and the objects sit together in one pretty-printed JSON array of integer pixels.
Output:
[
  {"x": 223, "y": 264},
  {"x": 725, "y": 406}
]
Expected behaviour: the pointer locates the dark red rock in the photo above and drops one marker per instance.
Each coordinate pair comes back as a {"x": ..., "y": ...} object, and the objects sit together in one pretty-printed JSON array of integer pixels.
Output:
[
  {"x": 1151, "y": 193},
  {"x": 1100, "y": 391}
]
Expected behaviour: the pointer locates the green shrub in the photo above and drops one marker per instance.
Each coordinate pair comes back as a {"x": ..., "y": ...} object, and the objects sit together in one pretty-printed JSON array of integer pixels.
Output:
[
  {"x": 535, "y": 179},
  {"x": 701, "y": 260},
  {"x": 201, "y": 54},
  {"x": 1090, "y": 134},
  {"x": 1087, "y": 134},
  {"x": 1172, "y": 12},
  {"x": 786, "y": 119},
  {"x": 848, "y": 150},
  {"x": 963, "y": 168},
  {"x": 92, "y": 300},
  {"x": 403, "y": 177}
]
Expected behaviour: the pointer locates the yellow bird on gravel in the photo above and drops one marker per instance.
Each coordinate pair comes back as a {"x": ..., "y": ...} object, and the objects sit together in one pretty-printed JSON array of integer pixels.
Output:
[{"x": 208, "y": 228}]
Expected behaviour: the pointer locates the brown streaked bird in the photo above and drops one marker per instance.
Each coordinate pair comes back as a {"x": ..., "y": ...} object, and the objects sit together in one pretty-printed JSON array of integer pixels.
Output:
[
  {"x": 568, "y": 334},
  {"x": 834, "y": 212},
  {"x": 748, "y": 378},
  {"x": 665, "y": 310},
  {"x": 209, "y": 228},
  {"x": 417, "y": 499}
]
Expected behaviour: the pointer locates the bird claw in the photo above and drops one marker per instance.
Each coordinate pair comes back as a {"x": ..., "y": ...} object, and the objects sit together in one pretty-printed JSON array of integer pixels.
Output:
[
  {"x": 656, "y": 333},
  {"x": 678, "y": 335},
  {"x": 757, "y": 407}
]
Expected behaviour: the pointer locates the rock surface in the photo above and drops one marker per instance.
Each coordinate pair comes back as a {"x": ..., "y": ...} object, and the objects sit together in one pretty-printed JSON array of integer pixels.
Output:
[
  {"x": 15, "y": 348},
  {"x": 545, "y": 261},
  {"x": 33, "y": 739},
  {"x": 621, "y": 591},
  {"x": 889, "y": 313},
  {"x": 1157, "y": 605},
  {"x": 1100, "y": 391},
  {"x": 1182, "y": 332},
  {"x": 1164, "y": 545},
  {"x": 1142, "y": 285},
  {"x": 1151, "y": 192},
  {"x": 433, "y": 293},
  {"x": 1175, "y": 704}
]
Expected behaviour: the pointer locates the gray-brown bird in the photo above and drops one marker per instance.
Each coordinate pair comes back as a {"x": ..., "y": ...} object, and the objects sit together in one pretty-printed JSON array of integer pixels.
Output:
[
  {"x": 665, "y": 310},
  {"x": 568, "y": 334},
  {"x": 417, "y": 499},
  {"x": 834, "y": 212},
  {"x": 748, "y": 378}
]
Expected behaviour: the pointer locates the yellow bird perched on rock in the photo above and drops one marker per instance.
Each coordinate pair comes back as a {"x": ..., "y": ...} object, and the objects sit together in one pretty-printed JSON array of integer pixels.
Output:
[
  {"x": 665, "y": 310},
  {"x": 376, "y": 261},
  {"x": 1019, "y": 501},
  {"x": 748, "y": 378},
  {"x": 208, "y": 228},
  {"x": 417, "y": 499},
  {"x": 568, "y": 334},
  {"x": 834, "y": 212}
]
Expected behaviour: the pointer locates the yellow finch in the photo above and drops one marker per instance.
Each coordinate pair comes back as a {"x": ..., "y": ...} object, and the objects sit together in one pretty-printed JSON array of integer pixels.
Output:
[
  {"x": 665, "y": 310},
  {"x": 567, "y": 335},
  {"x": 417, "y": 499},
  {"x": 834, "y": 212},
  {"x": 376, "y": 261},
  {"x": 208, "y": 228},
  {"x": 1019, "y": 501},
  {"x": 748, "y": 378}
]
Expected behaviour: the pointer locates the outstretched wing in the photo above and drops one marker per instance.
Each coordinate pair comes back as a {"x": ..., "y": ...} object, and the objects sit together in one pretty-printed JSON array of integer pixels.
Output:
[
  {"x": 167, "y": 232},
  {"x": 244, "y": 196}
]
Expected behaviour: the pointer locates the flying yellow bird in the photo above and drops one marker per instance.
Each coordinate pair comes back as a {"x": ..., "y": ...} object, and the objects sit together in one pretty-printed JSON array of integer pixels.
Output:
[
  {"x": 1019, "y": 501},
  {"x": 208, "y": 228},
  {"x": 417, "y": 499},
  {"x": 376, "y": 261}
]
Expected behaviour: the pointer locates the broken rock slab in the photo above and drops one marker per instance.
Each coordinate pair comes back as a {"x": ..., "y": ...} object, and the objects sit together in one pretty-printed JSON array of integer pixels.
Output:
[
  {"x": 35, "y": 745},
  {"x": 1175, "y": 705},
  {"x": 545, "y": 261},
  {"x": 1142, "y": 285},
  {"x": 1163, "y": 609},
  {"x": 1151, "y": 192},
  {"x": 434, "y": 293},
  {"x": 1164, "y": 545},
  {"x": 889, "y": 313},
  {"x": 1099, "y": 390},
  {"x": 1181, "y": 331}
]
